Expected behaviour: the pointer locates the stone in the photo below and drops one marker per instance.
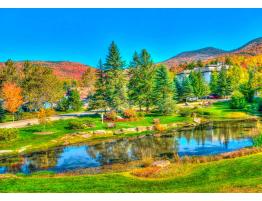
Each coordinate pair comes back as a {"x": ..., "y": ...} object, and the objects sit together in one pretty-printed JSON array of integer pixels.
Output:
[
  {"x": 110, "y": 125},
  {"x": 5, "y": 151},
  {"x": 141, "y": 128},
  {"x": 172, "y": 125},
  {"x": 161, "y": 163},
  {"x": 129, "y": 130},
  {"x": 100, "y": 132},
  {"x": 86, "y": 136},
  {"x": 150, "y": 128},
  {"x": 197, "y": 120},
  {"x": 118, "y": 132}
]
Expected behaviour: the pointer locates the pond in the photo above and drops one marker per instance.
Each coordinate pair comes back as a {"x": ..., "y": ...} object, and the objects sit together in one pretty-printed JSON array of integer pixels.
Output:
[{"x": 215, "y": 138}]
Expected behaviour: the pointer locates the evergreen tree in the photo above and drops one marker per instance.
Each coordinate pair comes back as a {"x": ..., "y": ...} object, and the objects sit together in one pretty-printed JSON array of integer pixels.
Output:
[
  {"x": 198, "y": 83},
  {"x": 115, "y": 79},
  {"x": 141, "y": 80},
  {"x": 188, "y": 91},
  {"x": 98, "y": 100},
  {"x": 2, "y": 113},
  {"x": 213, "y": 85},
  {"x": 74, "y": 100},
  {"x": 164, "y": 91},
  {"x": 178, "y": 89},
  {"x": 224, "y": 83}
]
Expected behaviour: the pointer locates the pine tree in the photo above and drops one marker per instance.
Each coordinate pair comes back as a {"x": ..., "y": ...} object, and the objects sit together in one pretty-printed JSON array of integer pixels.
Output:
[
  {"x": 164, "y": 91},
  {"x": 224, "y": 83},
  {"x": 116, "y": 93},
  {"x": 178, "y": 89},
  {"x": 188, "y": 91},
  {"x": 99, "y": 100},
  {"x": 141, "y": 81},
  {"x": 74, "y": 100},
  {"x": 214, "y": 83}
]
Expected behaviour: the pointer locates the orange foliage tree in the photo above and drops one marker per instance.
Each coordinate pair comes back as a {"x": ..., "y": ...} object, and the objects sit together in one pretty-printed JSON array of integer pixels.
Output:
[{"x": 12, "y": 95}]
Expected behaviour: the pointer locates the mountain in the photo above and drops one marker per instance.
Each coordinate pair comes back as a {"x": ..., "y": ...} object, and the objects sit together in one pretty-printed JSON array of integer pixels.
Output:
[
  {"x": 63, "y": 69},
  {"x": 252, "y": 48}
]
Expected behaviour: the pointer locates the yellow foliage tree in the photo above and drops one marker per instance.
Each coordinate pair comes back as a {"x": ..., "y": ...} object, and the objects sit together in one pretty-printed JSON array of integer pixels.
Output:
[
  {"x": 12, "y": 95},
  {"x": 43, "y": 116}
]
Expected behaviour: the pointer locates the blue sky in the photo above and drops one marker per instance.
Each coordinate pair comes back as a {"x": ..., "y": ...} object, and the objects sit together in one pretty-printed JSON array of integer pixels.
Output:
[{"x": 83, "y": 35}]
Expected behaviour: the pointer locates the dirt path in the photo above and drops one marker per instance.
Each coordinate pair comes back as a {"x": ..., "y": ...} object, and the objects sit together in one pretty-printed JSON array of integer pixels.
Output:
[{"x": 28, "y": 122}]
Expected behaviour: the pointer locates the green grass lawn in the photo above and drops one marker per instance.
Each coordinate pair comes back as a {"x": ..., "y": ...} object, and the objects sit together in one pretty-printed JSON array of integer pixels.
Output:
[
  {"x": 60, "y": 128},
  {"x": 234, "y": 175}
]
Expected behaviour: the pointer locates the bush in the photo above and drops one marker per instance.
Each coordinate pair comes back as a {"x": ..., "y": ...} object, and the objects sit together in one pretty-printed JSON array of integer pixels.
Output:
[
  {"x": 259, "y": 106},
  {"x": 112, "y": 115},
  {"x": 258, "y": 141},
  {"x": 238, "y": 100},
  {"x": 141, "y": 114},
  {"x": 185, "y": 112},
  {"x": 160, "y": 127},
  {"x": 130, "y": 113},
  {"x": 7, "y": 134},
  {"x": 77, "y": 125}
]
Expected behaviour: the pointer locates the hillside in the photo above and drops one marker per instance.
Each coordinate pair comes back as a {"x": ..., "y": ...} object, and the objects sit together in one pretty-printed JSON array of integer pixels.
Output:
[
  {"x": 252, "y": 48},
  {"x": 63, "y": 69}
]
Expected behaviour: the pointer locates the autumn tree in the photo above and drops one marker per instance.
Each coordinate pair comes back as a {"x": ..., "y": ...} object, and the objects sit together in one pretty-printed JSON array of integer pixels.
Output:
[
  {"x": 9, "y": 73},
  {"x": 88, "y": 79},
  {"x": 12, "y": 95},
  {"x": 43, "y": 116}
]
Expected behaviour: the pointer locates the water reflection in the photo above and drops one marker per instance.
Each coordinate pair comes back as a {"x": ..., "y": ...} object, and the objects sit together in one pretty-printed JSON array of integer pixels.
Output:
[{"x": 208, "y": 140}]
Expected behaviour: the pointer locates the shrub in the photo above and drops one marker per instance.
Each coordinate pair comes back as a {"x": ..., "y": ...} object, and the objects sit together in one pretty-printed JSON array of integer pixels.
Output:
[
  {"x": 258, "y": 141},
  {"x": 112, "y": 115},
  {"x": 238, "y": 100},
  {"x": 160, "y": 127},
  {"x": 7, "y": 134},
  {"x": 141, "y": 114},
  {"x": 145, "y": 172},
  {"x": 185, "y": 112},
  {"x": 76, "y": 125},
  {"x": 130, "y": 113},
  {"x": 147, "y": 161}
]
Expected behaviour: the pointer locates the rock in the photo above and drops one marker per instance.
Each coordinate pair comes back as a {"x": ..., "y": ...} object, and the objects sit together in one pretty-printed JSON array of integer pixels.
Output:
[
  {"x": 118, "y": 132},
  {"x": 86, "y": 136},
  {"x": 197, "y": 120},
  {"x": 172, "y": 125},
  {"x": 161, "y": 164},
  {"x": 100, "y": 132},
  {"x": 110, "y": 125},
  {"x": 156, "y": 121},
  {"x": 141, "y": 128},
  {"x": 109, "y": 132},
  {"x": 150, "y": 128},
  {"x": 129, "y": 130}
]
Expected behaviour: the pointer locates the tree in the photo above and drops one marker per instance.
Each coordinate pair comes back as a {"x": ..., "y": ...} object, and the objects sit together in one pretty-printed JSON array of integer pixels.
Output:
[
  {"x": 224, "y": 83},
  {"x": 213, "y": 85},
  {"x": 199, "y": 63},
  {"x": 188, "y": 91},
  {"x": 178, "y": 89},
  {"x": 74, "y": 100},
  {"x": 237, "y": 75},
  {"x": 12, "y": 95},
  {"x": 2, "y": 113},
  {"x": 115, "y": 79},
  {"x": 141, "y": 82},
  {"x": 99, "y": 99},
  {"x": 40, "y": 85},
  {"x": 88, "y": 79},
  {"x": 238, "y": 100},
  {"x": 43, "y": 116},
  {"x": 198, "y": 84},
  {"x": 164, "y": 91},
  {"x": 9, "y": 73}
]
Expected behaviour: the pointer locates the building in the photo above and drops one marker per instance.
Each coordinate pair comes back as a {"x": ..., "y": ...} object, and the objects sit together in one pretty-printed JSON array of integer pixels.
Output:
[{"x": 206, "y": 71}]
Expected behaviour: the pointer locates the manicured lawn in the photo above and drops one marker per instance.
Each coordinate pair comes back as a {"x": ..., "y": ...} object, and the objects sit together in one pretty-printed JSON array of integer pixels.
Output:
[{"x": 234, "y": 175}]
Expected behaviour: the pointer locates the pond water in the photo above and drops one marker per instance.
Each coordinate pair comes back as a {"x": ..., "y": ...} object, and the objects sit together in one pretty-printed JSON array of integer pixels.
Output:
[{"x": 213, "y": 139}]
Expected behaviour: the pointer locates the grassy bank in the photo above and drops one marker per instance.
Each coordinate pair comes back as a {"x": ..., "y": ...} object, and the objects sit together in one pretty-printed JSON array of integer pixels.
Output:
[{"x": 234, "y": 175}]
